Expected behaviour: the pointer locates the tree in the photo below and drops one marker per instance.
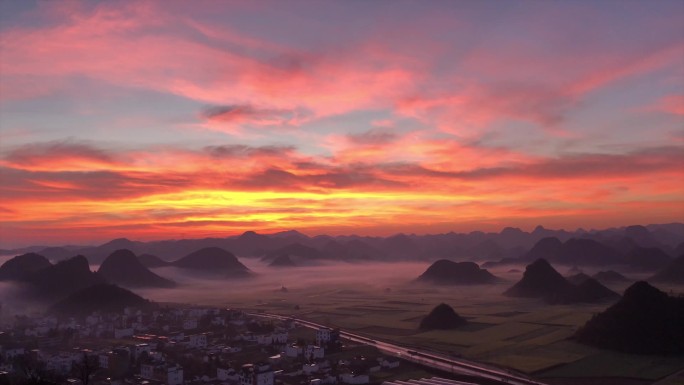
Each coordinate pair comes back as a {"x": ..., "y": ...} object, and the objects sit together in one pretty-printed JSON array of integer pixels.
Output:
[{"x": 86, "y": 367}]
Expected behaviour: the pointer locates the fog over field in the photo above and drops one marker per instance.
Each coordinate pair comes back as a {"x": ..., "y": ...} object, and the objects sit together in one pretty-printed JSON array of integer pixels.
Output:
[{"x": 200, "y": 288}]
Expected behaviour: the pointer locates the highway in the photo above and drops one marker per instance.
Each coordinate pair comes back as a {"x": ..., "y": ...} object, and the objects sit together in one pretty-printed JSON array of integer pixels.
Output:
[{"x": 442, "y": 362}]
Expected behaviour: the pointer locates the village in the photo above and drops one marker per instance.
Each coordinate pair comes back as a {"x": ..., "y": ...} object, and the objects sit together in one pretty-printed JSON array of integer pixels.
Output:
[{"x": 186, "y": 345}]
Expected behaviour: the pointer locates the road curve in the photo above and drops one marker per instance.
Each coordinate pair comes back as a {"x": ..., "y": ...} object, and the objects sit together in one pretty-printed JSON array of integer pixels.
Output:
[{"x": 437, "y": 361}]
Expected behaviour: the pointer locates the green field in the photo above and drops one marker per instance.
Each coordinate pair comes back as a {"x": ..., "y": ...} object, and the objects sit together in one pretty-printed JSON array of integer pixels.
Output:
[{"x": 521, "y": 334}]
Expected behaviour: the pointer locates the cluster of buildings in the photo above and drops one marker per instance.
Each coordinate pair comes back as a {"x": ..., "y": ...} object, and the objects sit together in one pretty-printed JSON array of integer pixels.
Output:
[{"x": 177, "y": 346}]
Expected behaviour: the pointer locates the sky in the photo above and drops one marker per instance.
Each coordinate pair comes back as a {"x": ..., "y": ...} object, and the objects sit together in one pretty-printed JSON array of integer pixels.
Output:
[{"x": 165, "y": 120}]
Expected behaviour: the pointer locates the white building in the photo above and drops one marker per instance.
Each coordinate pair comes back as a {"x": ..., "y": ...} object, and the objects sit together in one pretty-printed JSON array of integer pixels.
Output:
[
  {"x": 103, "y": 359},
  {"x": 123, "y": 332},
  {"x": 197, "y": 341},
  {"x": 256, "y": 375},
  {"x": 174, "y": 375},
  {"x": 60, "y": 363},
  {"x": 389, "y": 363},
  {"x": 326, "y": 335},
  {"x": 308, "y": 369},
  {"x": 293, "y": 350},
  {"x": 227, "y": 374},
  {"x": 190, "y": 324},
  {"x": 313, "y": 352},
  {"x": 139, "y": 349},
  {"x": 351, "y": 378},
  {"x": 14, "y": 352},
  {"x": 171, "y": 375}
]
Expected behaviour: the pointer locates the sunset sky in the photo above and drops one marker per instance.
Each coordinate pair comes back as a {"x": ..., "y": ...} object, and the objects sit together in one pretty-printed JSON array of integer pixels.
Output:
[{"x": 159, "y": 120}]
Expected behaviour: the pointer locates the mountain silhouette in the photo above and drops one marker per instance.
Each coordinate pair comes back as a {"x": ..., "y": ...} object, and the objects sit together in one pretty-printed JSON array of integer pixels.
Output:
[
  {"x": 442, "y": 316},
  {"x": 22, "y": 267},
  {"x": 213, "y": 259},
  {"x": 575, "y": 251},
  {"x": 641, "y": 236},
  {"x": 250, "y": 243},
  {"x": 123, "y": 268},
  {"x": 599, "y": 248},
  {"x": 610, "y": 276},
  {"x": 64, "y": 278},
  {"x": 149, "y": 260},
  {"x": 647, "y": 259},
  {"x": 672, "y": 273},
  {"x": 541, "y": 280},
  {"x": 105, "y": 298},
  {"x": 282, "y": 261},
  {"x": 446, "y": 272},
  {"x": 644, "y": 321}
]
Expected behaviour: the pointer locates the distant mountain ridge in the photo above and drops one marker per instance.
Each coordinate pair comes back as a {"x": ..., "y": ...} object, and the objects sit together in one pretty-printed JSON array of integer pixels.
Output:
[{"x": 593, "y": 247}]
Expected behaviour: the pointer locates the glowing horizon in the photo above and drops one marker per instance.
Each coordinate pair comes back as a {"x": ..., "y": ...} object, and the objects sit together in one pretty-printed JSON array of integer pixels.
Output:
[{"x": 160, "y": 120}]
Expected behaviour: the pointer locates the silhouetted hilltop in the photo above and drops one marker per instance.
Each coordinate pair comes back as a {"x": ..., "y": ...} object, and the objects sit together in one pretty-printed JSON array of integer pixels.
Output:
[
  {"x": 610, "y": 276},
  {"x": 149, "y": 261},
  {"x": 641, "y": 236},
  {"x": 250, "y": 243},
  {"x": 541, "y": 280},
  {"x": 105, "y": 298},
  {"x": 22, "y": 267},
  {"x": 647, "y": 259},
  {"x": 442, "y": 316},
  {"x": 448, "y": 272},
  {"x": 63, "y": 278},
  {"x": 123, "y": 268},
  {"x": 213, "y": 259},
  {"x": 644, "y": 321},
  {"x": 282, "y": 261},
  {"x": 672, "y": 273}
]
